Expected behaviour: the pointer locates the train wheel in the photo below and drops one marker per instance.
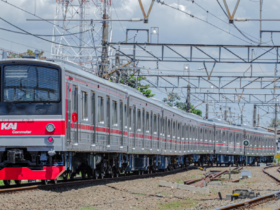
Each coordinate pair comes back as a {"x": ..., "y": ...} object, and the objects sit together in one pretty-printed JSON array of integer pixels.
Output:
[
  {"x": 117, "y": 174},
  {"x": 83, "y": 174},
  {"x": 54, "y": 181},
  {"x": 72, "y": 176},
  {"x": 18, "y": 182},
  {"x": 102, "y": 176},
  {"x": 45, "y": 182},
  {"x": 7, "y": 182},
  {"x": 96, "y": 175}
]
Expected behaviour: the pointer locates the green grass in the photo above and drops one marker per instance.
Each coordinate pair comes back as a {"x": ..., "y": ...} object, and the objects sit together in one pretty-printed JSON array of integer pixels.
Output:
[
  {"x": 178, "y": 205},
  {"x": 179, "y": 181},
  {"x": 88, "y": 208}
]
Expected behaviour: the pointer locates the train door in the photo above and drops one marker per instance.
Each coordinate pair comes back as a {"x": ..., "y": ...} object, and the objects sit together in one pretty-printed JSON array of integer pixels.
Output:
[
  {"x": 230, "y": 143},
  {"x": 121, "y": 124},
  {"x": 160, "y": 131},
  {"x": 184, "y": 138},
  {"x": 224, "y": 145},
  {"x": 195, "y": 139},
  {"x": 155, "y": 131},
  {"x": 125, "y": 125},
  {"x": 139, "y": 131},
  {"x": 68, "y": 113},
  {"x": 100, "y": 126},
  {"x": 115, "y": 128},
  {"x": 187, "y": 139},
  {"x": 75, "y": 116},
  {"x": 85, "y": 129},
  {"x": 237, "y": 144},
  {"x": 93, "y": 118},
  {"x": 147, "y": 131},
  {"x": 210, "y": 142},
  {"x": 218, "y": 141}
]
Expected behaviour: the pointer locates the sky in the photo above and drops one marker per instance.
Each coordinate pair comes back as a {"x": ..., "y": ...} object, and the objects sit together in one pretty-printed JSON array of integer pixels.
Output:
[{"x": 174, "y": 27}]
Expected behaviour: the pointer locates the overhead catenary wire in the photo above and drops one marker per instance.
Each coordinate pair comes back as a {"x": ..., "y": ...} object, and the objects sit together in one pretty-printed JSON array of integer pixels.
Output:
[
  {"x": 40, "y": 18},
  {"x": 208, "y": 12},
  {"x": 43, "y": 38},
  {"x": 18, "y": 32},
  {"x": 211, "y": 24}
]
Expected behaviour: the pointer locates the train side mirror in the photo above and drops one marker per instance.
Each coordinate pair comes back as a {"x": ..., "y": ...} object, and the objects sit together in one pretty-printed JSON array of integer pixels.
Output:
[{"x": 74, "y": 117}]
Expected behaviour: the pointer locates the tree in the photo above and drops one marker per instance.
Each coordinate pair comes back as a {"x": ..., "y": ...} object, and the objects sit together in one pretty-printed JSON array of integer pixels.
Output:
[
  {"x": 174, "y": 100},
  {"x": 27, "y": 53},
  {"x": 144, "y": 89},
  {"x": 272, "y": 123}
]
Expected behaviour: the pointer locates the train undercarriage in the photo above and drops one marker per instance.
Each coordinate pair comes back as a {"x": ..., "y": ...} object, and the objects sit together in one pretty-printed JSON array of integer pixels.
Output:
[{"x": 20, "y": 164}]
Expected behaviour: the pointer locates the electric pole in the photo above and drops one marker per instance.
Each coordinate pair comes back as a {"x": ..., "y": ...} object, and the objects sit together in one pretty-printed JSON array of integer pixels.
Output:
[
  {"x": 188, "y": 98},
  {"x": 104, "y": 60}
]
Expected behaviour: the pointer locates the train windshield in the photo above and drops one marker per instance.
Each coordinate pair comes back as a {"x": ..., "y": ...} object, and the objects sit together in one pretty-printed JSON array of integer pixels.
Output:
[
  {"x": 30, "y": 90},
  {"x": 30, "y": 84}
]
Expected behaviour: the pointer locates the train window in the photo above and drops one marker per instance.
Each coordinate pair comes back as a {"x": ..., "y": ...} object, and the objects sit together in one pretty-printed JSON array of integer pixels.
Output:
[
  {"x": 201, "y": 134},
  {"x": 125, "y": 116},
  {"x": 155, "y": 126},
  {"x": 74, "y": 99},
  {"x": 139, "y": 119},
  {"x": 100, "y": 109},
  {"x": 174, "y": 129},
  {"x": 115, "y": 113},
  {"x": 108, "y": 111},
  {"x": 26, "y": 83},
  {"x": 147, "y": 121},
  {"x": 129, "y": 117},
  {"x": 84, "y": 106},
  {"x": 168, "y": 128}
]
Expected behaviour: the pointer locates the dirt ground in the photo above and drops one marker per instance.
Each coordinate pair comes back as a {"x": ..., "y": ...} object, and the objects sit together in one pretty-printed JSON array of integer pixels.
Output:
[{"x": 139, "y": 194}]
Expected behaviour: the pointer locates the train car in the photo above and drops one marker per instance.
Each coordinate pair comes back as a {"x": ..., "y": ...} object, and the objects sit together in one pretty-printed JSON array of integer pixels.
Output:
[{"x": 57, "y": 119}]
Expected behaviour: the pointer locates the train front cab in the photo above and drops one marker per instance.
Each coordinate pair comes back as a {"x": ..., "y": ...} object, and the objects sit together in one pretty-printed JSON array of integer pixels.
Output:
[{"x": 32, "y": 122}]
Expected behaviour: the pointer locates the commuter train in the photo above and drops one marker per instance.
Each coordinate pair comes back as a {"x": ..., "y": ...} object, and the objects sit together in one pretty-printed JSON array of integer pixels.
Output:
[{"x": 59, "y": 120}]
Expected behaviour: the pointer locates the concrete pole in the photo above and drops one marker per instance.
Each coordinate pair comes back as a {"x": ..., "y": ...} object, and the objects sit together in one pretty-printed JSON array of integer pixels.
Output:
[
  {"x": 81, "y": 28},
  {"x": 255, "y": 116},
  {"x": 275, "y": 127},
  {"x": 261, "y": 21},
  {"x": 105, "y": 32},
  {"x": 188, "y": 98},
  {"x": 207, "y": 112},
  {"x": 225, "y": 116},
  {"x": 258, "y": 120}
]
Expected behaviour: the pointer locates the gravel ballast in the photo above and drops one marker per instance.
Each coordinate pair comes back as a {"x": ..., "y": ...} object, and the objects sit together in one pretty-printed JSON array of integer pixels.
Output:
[{"x": 139, "y": 194}]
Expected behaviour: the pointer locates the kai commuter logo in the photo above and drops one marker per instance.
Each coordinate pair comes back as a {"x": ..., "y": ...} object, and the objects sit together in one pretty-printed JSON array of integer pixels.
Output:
[{"x": 8, "y": 126}]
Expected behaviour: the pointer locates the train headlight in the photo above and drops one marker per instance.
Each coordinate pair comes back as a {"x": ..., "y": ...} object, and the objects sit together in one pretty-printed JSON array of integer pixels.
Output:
[
  {"x": 50, "y": 127},
  {"x": 50, "y": 139}
]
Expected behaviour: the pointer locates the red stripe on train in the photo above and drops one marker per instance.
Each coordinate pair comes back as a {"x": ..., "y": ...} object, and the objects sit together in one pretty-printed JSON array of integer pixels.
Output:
[{"x": 15, "y": 128}]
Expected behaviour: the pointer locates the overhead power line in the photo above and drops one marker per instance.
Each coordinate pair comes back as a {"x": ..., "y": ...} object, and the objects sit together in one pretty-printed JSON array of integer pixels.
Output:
[
  {"x": 17, "y": 32},
  {"x": 43, "y": 38},
  {"x": 41, "y": 19},
  {"x": 211, "y": 24}
]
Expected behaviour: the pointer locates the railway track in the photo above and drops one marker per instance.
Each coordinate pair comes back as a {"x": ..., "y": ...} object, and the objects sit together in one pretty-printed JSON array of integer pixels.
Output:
[
  {"x": 62, "y": 183},
  {"x": 248, "y": 204}
]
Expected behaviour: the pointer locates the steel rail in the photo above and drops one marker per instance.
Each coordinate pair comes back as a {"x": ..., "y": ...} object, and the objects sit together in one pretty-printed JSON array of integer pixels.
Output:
[
  {"x": 62, "y": 183},
  {"x": 255, "y": 201}
]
